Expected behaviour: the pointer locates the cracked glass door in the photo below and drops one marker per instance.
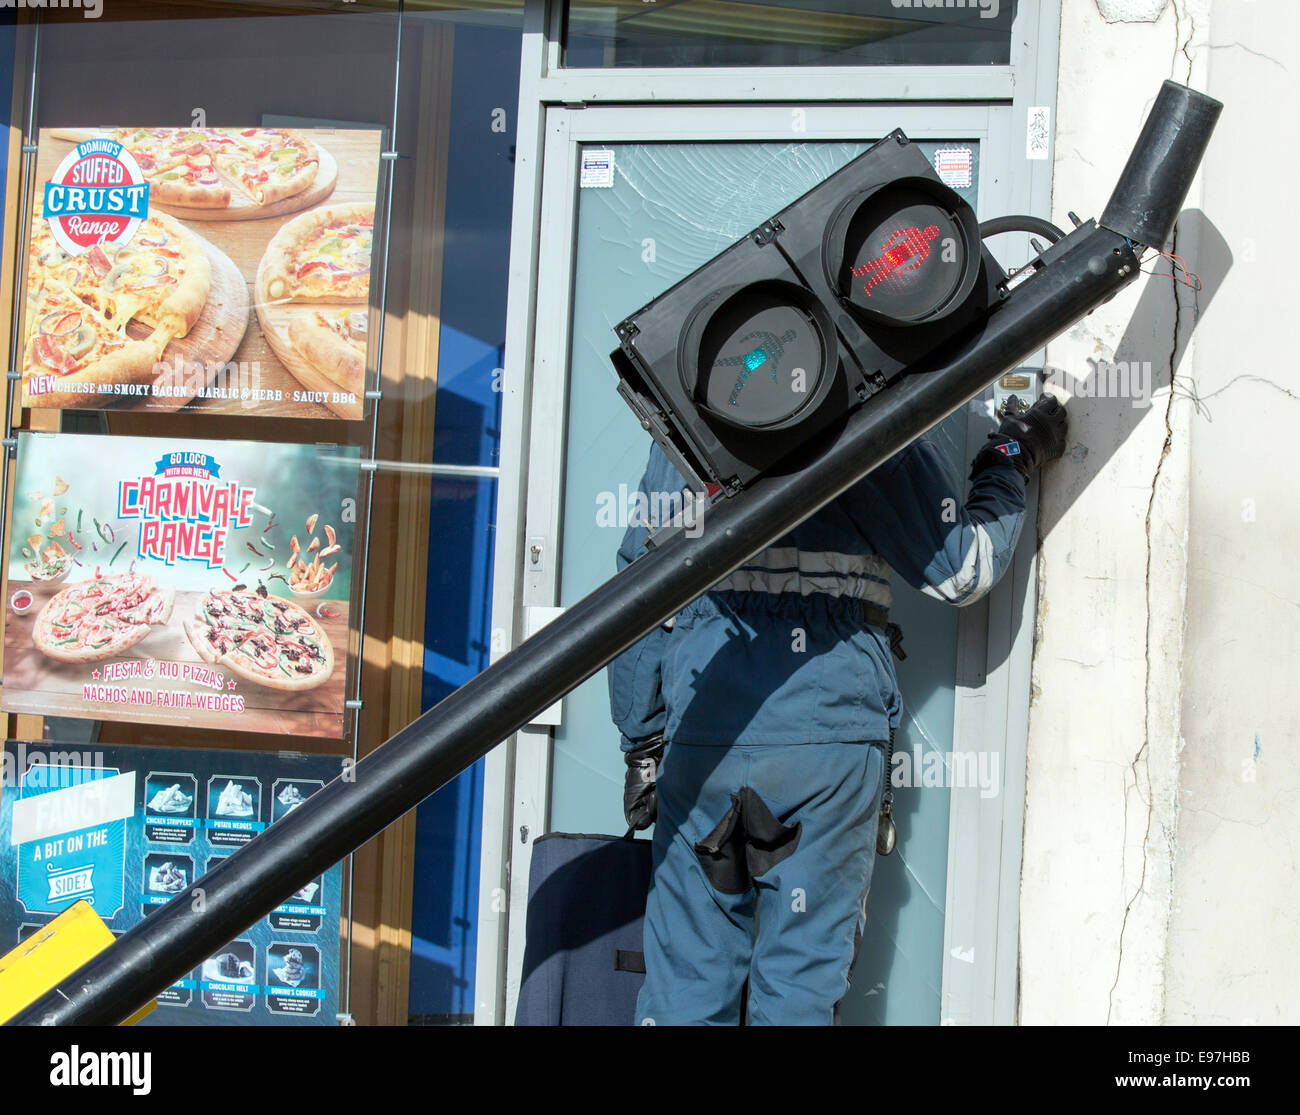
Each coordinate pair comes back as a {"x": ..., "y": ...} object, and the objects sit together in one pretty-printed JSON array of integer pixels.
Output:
[{"x": 670, "y": 207}]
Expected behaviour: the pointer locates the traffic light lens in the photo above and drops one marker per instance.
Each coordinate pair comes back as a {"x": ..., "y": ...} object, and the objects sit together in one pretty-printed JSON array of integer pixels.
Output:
[
  {"x": 761, "y": 359},
  {"x": 905, "y": 257}
]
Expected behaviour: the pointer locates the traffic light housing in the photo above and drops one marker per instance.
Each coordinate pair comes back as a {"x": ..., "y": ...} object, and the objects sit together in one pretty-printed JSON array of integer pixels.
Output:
[{"x": 794, "y": 326}]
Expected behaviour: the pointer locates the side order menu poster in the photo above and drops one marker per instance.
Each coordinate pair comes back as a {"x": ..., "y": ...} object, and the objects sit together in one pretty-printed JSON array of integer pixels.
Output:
[
  {"x": 128, "y": 829},
  {"x": 224, "y": 270},
  {"x": 178, "y": 581}
]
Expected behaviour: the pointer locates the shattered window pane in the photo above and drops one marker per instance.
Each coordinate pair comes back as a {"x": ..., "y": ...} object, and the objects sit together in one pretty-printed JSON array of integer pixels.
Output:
[{"x": 670, "y": 208}]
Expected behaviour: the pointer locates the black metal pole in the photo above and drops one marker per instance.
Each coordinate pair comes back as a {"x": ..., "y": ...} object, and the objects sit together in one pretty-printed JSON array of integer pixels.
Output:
[
  {"x": 1150, "y": 192},
  {"x": 1088, "y": 267}
]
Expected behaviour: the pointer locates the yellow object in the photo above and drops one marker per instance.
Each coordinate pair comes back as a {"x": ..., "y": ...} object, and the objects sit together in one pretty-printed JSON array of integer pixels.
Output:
[{"x": 50, "y": 954}]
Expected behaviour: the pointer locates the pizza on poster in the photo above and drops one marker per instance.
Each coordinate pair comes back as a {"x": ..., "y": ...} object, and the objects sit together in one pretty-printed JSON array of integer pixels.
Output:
[
  {"x": 196, "y": 583},
  {"x": 222, "y": 270}
]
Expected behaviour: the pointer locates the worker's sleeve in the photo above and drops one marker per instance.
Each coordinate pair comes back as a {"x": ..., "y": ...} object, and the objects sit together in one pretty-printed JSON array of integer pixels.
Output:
[
  {"x": 912, "y": 513},
  {"x": 636, "y": 702}
]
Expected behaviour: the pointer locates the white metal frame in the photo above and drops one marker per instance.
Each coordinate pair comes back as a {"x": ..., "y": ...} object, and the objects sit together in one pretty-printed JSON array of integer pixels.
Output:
[
  {"x": 982, "y": 904},
  {"x": 560, "y": 109}
]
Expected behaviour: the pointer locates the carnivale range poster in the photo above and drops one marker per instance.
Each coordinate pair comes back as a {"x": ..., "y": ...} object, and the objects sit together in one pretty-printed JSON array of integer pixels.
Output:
[{"x": 197, "y": 583}]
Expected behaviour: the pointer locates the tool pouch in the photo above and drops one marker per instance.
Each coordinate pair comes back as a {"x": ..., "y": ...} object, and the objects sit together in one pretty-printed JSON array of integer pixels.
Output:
[{"x": 747, "y": 842}]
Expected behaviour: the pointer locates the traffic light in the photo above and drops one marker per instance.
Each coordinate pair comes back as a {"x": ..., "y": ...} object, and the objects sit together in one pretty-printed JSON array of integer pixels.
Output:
[{"x": 824, "y": 304}]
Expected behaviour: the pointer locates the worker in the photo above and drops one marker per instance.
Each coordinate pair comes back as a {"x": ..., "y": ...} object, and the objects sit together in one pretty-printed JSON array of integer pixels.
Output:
[{"x": 755, "y": 726}]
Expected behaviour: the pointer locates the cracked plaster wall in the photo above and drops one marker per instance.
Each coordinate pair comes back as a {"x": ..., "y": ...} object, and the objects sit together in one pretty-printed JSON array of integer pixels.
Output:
[
  {"x": 1234, "y": 925},
  {"x": 1159, "y": 879}
]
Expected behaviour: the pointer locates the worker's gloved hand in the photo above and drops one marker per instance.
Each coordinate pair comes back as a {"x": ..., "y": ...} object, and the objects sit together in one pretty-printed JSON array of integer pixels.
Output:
[
  {"x": 640, "y": 797},
  {"x": 1028, "y": 438}
]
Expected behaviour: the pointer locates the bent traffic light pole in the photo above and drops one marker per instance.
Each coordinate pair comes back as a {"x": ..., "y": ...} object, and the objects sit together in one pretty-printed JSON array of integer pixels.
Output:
[{"x": 1073, "y": 277}]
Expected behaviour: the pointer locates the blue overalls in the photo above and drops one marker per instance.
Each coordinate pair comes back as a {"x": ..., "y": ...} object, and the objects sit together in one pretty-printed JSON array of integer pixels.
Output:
[{"x": 776, "y": 694}]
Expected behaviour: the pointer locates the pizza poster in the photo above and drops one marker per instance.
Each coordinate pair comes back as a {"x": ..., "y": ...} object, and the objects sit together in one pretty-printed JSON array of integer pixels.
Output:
[
  {"x": 205, "y": 584},
  {"x": 223, "y": 270},
  {"x": 128, "y": 829}
]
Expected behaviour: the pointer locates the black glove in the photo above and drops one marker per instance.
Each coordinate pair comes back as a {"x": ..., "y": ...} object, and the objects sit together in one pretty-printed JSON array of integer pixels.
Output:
[
  {"x": 640, "y": 798},
  {"x": 1028, "y": 438}
]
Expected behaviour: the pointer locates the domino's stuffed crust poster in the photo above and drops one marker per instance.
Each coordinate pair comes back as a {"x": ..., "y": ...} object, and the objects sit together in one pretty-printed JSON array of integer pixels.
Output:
[
  {"x": 223, "y": 270},
  {"x": 166, "y": 581},
  {"x": 128, "y": 829}
]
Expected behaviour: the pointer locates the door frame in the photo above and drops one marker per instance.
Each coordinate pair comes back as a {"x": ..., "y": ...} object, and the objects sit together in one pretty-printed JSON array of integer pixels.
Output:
[{"x": 560, "y": 110}]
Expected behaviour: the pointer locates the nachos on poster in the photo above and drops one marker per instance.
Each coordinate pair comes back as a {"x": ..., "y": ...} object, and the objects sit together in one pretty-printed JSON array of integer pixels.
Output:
[{"x": 161, "y": 583}]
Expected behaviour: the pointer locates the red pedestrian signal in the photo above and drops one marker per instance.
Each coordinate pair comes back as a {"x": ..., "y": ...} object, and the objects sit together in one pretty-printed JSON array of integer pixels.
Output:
[{"x": 903, "y": 251}]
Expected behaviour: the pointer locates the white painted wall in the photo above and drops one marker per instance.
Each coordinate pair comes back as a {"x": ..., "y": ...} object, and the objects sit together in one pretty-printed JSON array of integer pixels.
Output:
[{"x": 1160, "y": 877}]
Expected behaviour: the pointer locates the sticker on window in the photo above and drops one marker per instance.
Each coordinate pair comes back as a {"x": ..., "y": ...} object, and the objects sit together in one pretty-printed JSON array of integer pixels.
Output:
[
  {"x": 597, "y": 168},
  {"x": 955, "y": 166}
]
